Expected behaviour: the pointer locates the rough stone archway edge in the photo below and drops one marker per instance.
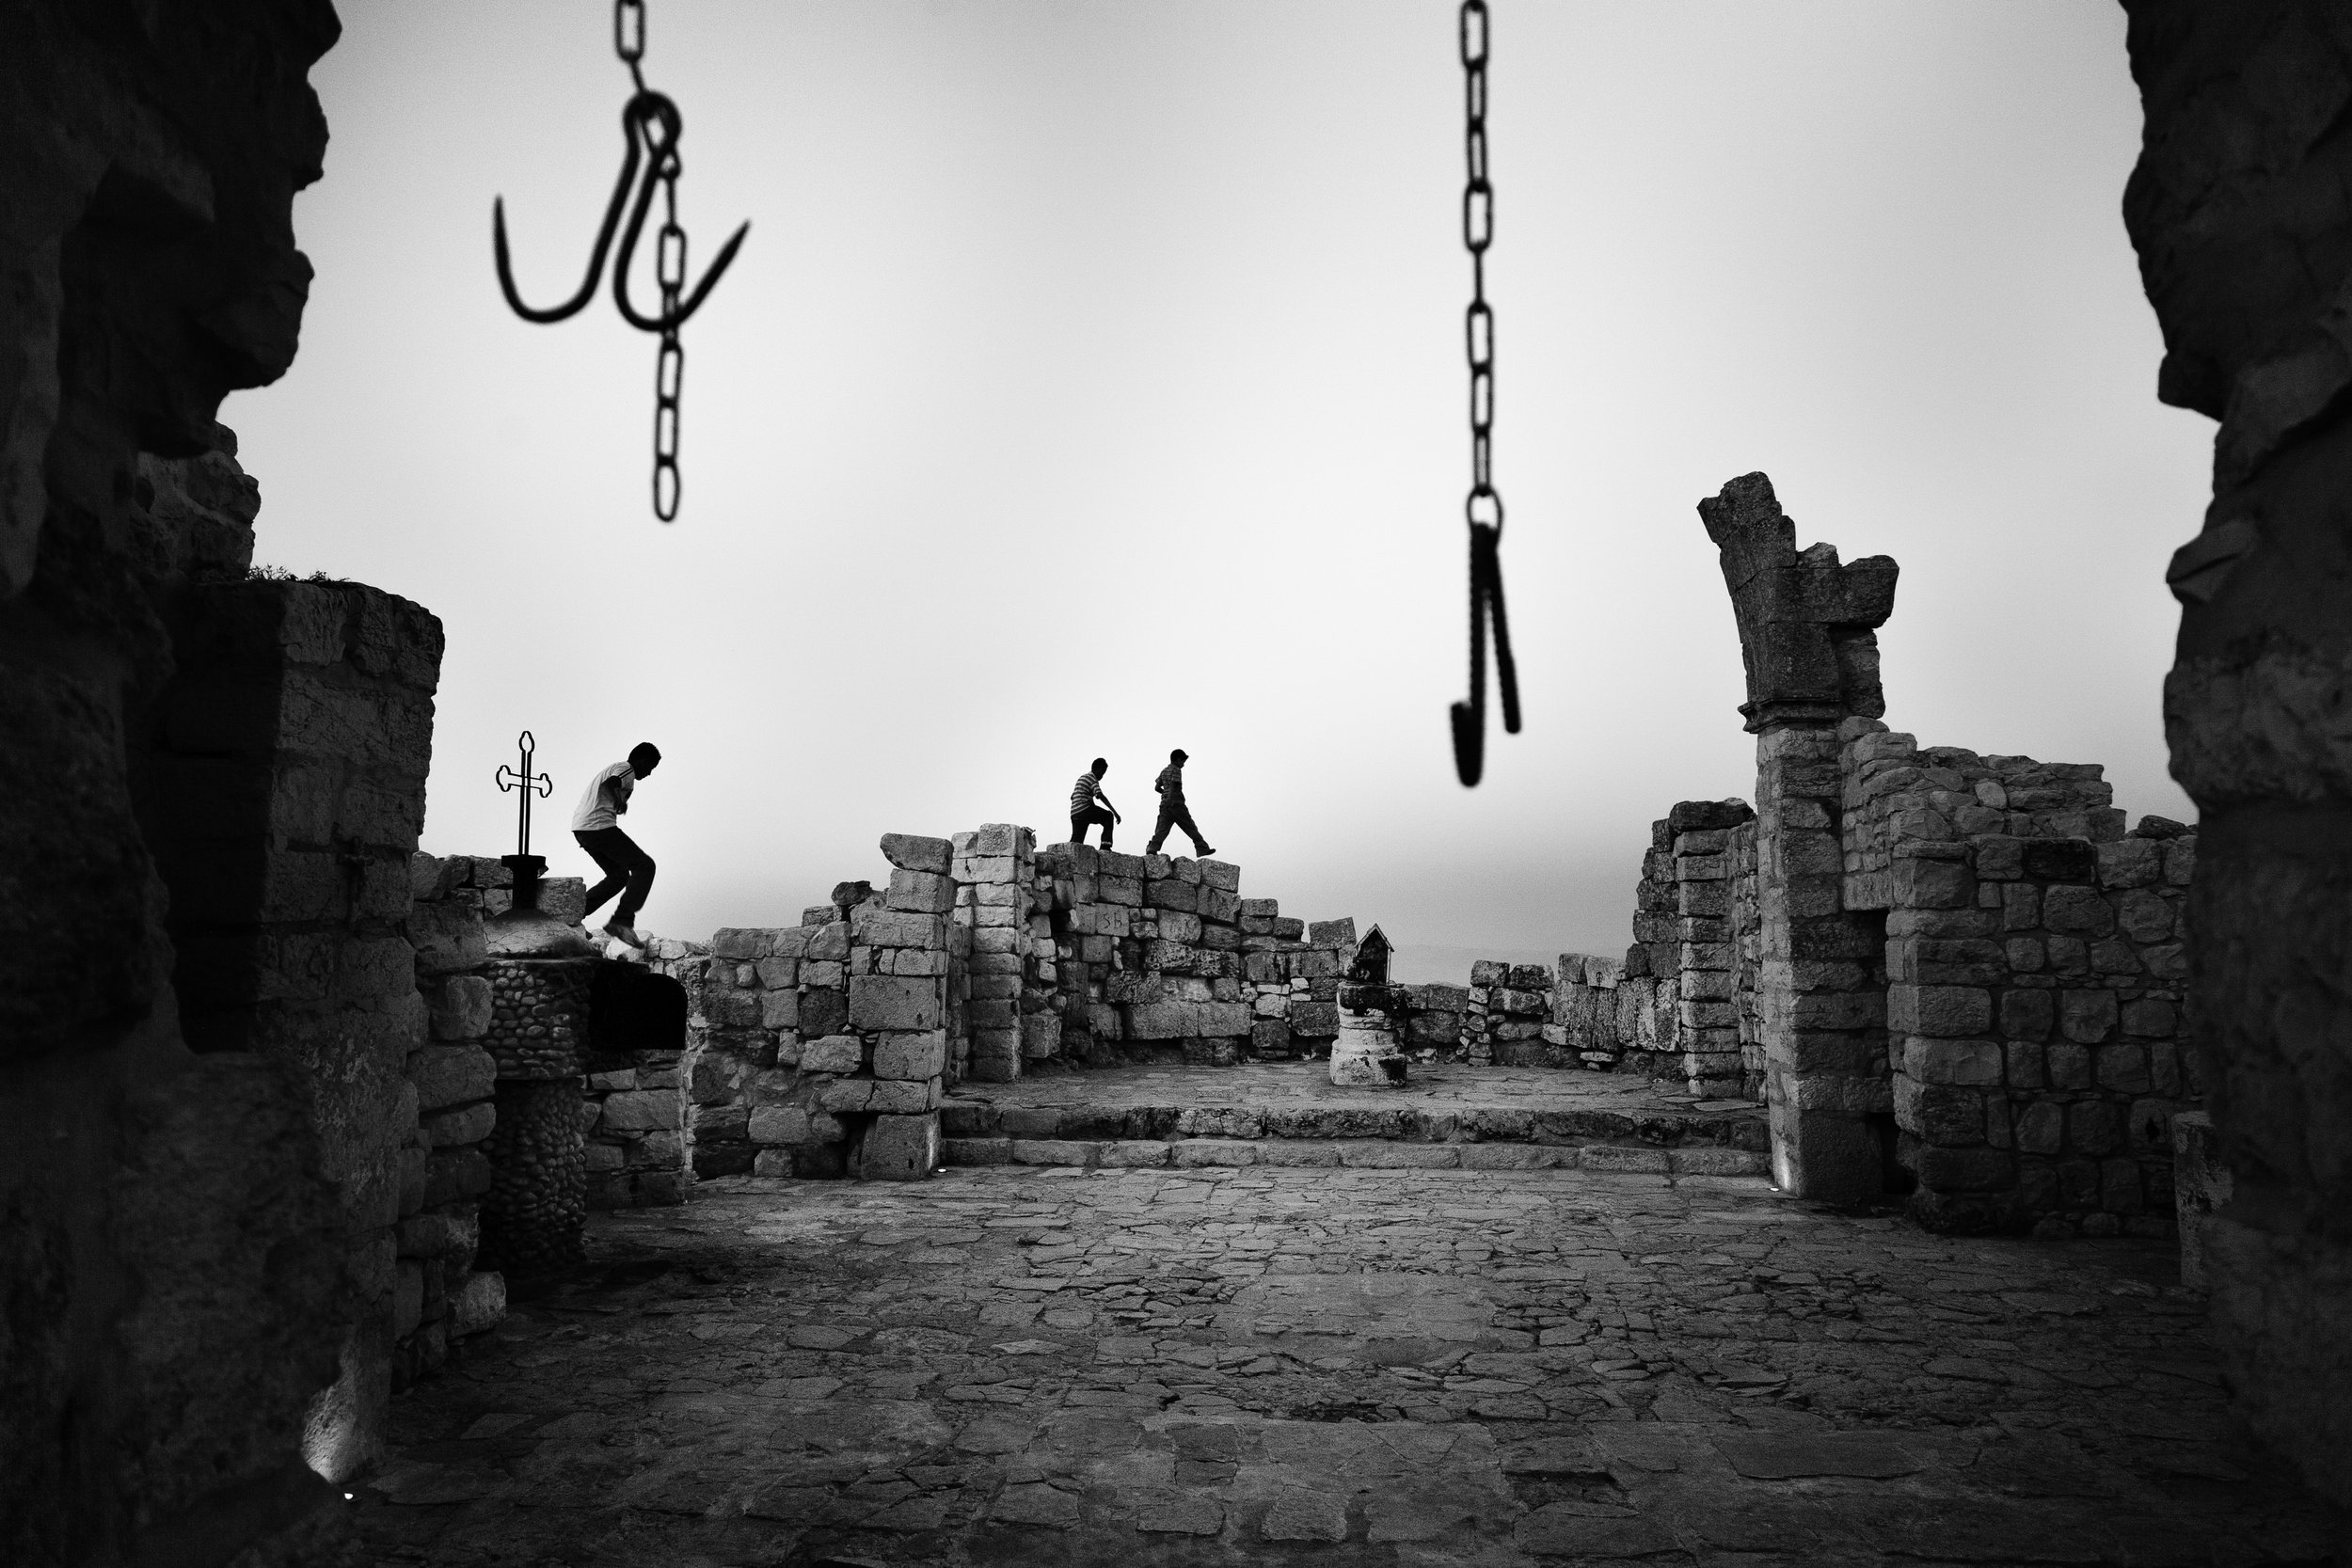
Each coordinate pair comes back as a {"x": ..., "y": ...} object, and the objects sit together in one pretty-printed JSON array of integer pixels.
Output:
[{"x": 2241, "y": 212}]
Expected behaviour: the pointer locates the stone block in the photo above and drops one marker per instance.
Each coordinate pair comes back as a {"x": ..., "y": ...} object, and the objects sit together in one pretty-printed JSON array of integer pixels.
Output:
[
  {"x": 780, "y": 1009},
  {"x": 1219, "y": 905},
  {"x": 1223, "y": 1019},
  {"x": 1314, "y": 1020},
  {"x": 741, "y": 943},
  {"x": 1334, "y": 934},
  {"x": 897, "y": 1098},
  {"x": 2078, "y": 911},
  {"x": 899, "y": 1149},
  {"x": 447, "y": 936},
  {"x": 1941, "y": 1010},
  {"x": 829, "y": 943},
  {"x": 846, "y": 1096},
  {"x": 833, "y": 1053},
  {"x": 469, "y": 1124},
  {"x": 2088, "y": 1016},
  {"x": 459, "y": 1008},
  {"x": 895, "y": 1003},
  {"x": 1170, "y": 893},
  {"x": 642, "y": 1111},
  {"x": 908, "y": 852},
  {"x": 1162, "y": 1020},
  {"x": 2122, "y": 1067},
  {"x": 1224, "y": 876},
  {"x": 2028, "y": 1015},
  {"x": 1040, "y": 1036},
  {"x": 779, "y": 1124},
  {"x": 896, "y": 927},
  {"x": 921, "y": 891},
  {"x": 451, "y": 1075},
  {"x": 477, "y": 1305},
  {"x": 1975, "y": 1063},
  {"x": 917, "y": 1056}
]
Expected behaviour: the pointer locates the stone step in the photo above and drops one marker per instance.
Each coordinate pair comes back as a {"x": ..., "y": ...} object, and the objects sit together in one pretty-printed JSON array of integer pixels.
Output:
[
  {"x": 1743, "y": 1129},
  {"x": 1356, "y": 1153}
]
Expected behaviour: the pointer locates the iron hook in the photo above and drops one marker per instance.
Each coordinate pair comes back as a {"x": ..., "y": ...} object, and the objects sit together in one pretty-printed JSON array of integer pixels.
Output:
[
  {"x": 604, "y": 235},
  {"x": 1485, "y": 598},
  {"x": 656, "y": 106}
]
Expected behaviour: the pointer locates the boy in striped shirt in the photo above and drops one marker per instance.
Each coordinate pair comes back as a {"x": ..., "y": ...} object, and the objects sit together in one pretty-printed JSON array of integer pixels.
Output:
[{"x": 1089, "y": 805}]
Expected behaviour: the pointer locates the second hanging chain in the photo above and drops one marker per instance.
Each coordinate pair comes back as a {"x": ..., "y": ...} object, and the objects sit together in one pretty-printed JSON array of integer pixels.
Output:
[{"x": 1483, "y": 508}]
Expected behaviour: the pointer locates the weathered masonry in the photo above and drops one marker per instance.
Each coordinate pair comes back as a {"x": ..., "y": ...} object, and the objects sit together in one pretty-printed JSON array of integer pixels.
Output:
[
  {"x": 824, "y": 1049},
  {"x": 1957, "y": 975}
]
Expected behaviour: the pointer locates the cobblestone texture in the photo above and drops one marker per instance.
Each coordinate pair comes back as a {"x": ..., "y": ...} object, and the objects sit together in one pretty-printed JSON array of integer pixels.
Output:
[{"x": 1395, "y": 1367}]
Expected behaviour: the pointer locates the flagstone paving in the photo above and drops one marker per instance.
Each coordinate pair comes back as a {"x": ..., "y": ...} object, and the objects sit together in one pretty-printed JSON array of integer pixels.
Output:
[{"x": 1073, "y": 1366}]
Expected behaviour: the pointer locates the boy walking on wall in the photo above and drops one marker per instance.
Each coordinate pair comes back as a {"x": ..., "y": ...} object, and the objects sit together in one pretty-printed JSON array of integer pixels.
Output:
[
  {"x": 1173, "y": 812},
  {"x": 1089, "y": 805},
  {"x": 627, "y": 869}
]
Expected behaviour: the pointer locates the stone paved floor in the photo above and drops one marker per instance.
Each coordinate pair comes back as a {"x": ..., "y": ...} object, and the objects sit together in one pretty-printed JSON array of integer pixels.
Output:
[{"x": 1077, "y": 1368}]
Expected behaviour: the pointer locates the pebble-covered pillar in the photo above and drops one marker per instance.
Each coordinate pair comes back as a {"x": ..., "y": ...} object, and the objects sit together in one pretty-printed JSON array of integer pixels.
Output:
[{"x": 533, "y": 1216}]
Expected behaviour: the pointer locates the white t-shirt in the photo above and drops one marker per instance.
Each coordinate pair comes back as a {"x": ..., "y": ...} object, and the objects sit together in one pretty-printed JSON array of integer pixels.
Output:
[{"x": 594, "y": 810}]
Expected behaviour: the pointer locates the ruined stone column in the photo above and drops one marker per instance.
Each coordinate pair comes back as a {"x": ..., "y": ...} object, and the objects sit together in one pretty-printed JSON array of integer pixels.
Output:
[
  {"x": 1805, "y": 636},
  {"x": 537, "y": 1205},
  {"x": 2241, "y": 210}
]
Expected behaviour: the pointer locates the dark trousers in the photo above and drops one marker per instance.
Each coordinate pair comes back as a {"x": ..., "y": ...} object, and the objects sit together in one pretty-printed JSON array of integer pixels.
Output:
[
  {"x": 627, "y": 871},
  {"x": 1081, "y": 820},
  {"x": 1174, "y": 814}
]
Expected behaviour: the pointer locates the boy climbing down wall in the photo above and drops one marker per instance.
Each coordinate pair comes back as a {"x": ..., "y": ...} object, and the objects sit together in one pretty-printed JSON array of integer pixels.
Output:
[
  {"x": 1174, "y": 814},
  {"x": 627, "y": 869}
]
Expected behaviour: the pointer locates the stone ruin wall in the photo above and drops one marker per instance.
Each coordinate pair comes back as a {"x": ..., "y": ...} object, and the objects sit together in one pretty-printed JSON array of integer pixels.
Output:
[
  {"x": 2037, "y": 968},
  {"x": 2024, "y": 1012},
  {"x": 824, "y": 1049}
]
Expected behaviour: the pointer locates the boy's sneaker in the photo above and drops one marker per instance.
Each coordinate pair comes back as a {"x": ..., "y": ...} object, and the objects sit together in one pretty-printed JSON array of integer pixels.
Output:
[
  {"x": 1205, "y": 851},
  {"x": 618, "y": 928}
]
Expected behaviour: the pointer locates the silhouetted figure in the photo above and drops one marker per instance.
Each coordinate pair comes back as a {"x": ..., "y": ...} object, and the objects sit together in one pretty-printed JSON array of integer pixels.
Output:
[
  {"x": 627, "y": 870},
  {"x": 1171, "y": 783},
  {"x": 1089, "y": 805}
]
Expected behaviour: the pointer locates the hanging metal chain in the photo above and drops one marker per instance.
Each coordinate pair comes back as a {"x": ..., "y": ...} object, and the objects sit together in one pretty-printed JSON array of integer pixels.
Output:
[
  {"x": 1482, "y": 507},
  {"x": 652, "y": 125},
  {"x": 669, "y": 366}
]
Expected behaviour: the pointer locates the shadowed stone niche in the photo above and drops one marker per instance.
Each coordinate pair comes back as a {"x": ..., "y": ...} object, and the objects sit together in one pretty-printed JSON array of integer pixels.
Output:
[{"x": 2241, "y": 210}]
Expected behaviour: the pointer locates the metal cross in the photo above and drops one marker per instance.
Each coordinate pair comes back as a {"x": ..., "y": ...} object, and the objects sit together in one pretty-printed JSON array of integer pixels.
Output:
[{"x": 529, "y": 783}]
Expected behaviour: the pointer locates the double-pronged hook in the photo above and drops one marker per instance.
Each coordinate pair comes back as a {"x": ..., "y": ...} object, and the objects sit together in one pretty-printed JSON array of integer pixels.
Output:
[
  {"x": 1486, "y": 599},
  {"x": 650, "y": 127}
]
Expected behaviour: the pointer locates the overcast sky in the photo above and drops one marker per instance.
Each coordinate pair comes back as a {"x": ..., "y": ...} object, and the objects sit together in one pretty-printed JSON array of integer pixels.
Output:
[{"x": 1091, "y": 382}]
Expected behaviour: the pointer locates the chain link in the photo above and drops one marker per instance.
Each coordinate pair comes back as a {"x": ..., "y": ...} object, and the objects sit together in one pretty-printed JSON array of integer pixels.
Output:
[
  {"x": 669, "y": 371},
  {"x": 1482, "y": 507},
  {"x": 628, "y": 36}
]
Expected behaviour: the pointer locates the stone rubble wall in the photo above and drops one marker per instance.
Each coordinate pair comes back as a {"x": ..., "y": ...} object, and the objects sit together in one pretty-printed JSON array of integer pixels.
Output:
[
  {"x": 2038, "y": 971},
  {"x": 1681, "y": 1004},
  {"x": 2017, "y": 1025},
  {"x": 824, "y": 1049},
  {"x": 821, "y": 1050},
  {"x": 1138, "y": 957},
  {"x": 1508, "y": 1017}
]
